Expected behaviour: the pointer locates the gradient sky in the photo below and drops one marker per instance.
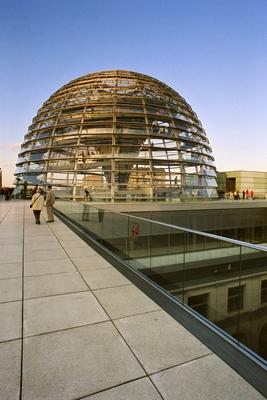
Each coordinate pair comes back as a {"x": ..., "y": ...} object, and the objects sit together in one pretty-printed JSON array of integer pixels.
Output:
[{"x": 212, "y": 52}]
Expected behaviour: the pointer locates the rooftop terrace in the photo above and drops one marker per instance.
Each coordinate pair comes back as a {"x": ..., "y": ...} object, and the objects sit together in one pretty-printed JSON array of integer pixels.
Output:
[{"x": 72, "y": 327}]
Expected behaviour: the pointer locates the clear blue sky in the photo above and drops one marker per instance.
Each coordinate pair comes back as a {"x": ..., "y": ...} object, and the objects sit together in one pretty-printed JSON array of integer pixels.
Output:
[{"x": 213, "y": 52}]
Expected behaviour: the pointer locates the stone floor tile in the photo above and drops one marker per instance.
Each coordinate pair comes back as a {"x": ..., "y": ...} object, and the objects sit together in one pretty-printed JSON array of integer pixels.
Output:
[
  {"x": 18, "y": 239},
  {"x": 163, "y": 342},
  {"x": 10, "y": 248},
  {"x": 10, "y": 354},
  {"x": 49, "y": 255},
  {"x": 62, "y": 229},
  {"x": 49, "y": 314},
  {"x": 92, "y": 262},
  {"x": 66, "y": 236},
  {"x": 37, "y": 232},
  {"x": 207, "y": 378},
  {"x": 80, "y": 252},
  {"x": 42, "y": 245},
  {"x": 10, "y": 289},
  {"x": 124, "y": 301},
  {"x": 10, "y": 317},
  {"x": 32, "y": 229},
  {"x": 50, "y": 285},
  {"x": 10, "y": 235},
  {"x": 70, "y": 244},
  {"x": 103, "y": 278},
  {"x": 45, "y": 267},
  {"x": 10, "y": 270},
  {"x": 11, "y": 256},
  {"x": 141, "y": 389},
  {"x": 76, "y": 362},
  {"x": 40, "y": 239}
]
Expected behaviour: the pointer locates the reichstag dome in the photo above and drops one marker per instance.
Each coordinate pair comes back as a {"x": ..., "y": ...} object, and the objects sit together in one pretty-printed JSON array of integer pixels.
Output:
[{"x": 119, "y": 135}]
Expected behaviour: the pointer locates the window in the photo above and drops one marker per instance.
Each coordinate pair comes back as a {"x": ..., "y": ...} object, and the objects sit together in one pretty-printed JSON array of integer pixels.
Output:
[
  {"x": 199, "y": 303},
  {"x": 235, "y": 298},
  {"x": 263, "y": 291}
]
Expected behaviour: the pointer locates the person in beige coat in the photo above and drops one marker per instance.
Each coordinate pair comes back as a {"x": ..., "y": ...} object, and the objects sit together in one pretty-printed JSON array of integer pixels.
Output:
[
  {"x": 37, "y": 204},
  {"x": 50, "y": 201}
]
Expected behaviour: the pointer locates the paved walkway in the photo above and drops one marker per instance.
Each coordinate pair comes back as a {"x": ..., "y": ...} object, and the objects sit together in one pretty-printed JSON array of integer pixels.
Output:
[{"x": 72, "y": 327}]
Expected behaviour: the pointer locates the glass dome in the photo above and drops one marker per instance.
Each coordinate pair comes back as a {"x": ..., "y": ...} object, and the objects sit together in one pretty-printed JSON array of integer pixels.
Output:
[{"x": 119, "y": 135}]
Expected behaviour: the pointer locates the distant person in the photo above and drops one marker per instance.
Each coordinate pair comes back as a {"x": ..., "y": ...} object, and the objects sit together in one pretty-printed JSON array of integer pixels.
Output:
[
  {"x": 243, "y": 194},
  {"x": 8, "y": 193},
  {"x": 247, "y": 194},
  {"x": 37, "y": 204},
  {"x": 252, "y": 194},
  {"x": 50, "y": 201},
  {"x": 87, "y": 196}
]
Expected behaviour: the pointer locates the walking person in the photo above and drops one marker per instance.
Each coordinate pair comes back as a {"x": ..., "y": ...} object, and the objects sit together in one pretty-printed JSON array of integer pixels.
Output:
[
  {"x": 37, "y": 204},
  {"x": 50, "y": 201}
]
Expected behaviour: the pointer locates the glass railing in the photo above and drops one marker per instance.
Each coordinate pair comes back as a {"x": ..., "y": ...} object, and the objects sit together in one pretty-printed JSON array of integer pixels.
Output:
[{"x": 221, "y": 279}]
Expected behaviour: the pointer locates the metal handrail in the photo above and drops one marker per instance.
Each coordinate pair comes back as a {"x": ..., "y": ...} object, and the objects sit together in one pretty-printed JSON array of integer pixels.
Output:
[{"x": 209, "y": 235}]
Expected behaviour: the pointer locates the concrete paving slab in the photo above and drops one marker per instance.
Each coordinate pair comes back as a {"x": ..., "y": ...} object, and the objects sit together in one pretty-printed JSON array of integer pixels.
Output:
[
  {"x": 77, "y": 362},
  {"x": 38, "y": 231},
  {"x": 70, "y": 244},
  {"x": 66, "y": 236},
  {"x": 10, "y": 289},
  {"x": 13, "y": 239},
  {"x": 10, "y": 317},
  {"x": 10, "y": 354},
  {"x": 103, "y": 278},
  {"x": 10, "y": 248},
  {"x": 50, "y": 285},
  {"x": 141, "y": 389},
  {"x": 10, "y": 270},
  {"x": 39, "y": 255},
  {"x": 10, "y": 257},
  {"x": 92, "y": 262},
  {"x": 44, "y": 267},
  {"x": 54, "y": 313},
  {"x": 32, "y": 229},
  {"x": 80, "y": 252},
  {"x": 42, "y": 245},
  {"x": 163, "y": 343},
  {"x": 124, "y": 301},
  {"x": 207, "y": 378},
  {"x": 10, "y": 233},
  {"x": 40, "y": 239},
  {"x": 60, "y": 228}
]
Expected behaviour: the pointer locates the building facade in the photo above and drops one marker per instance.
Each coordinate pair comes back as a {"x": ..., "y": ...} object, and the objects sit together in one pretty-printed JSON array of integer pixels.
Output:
[
  {"x": 232, "y": 181},
  {"x": 120, "y": 135}
]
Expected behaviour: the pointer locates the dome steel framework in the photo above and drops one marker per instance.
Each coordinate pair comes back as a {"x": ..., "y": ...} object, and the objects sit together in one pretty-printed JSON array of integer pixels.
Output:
[{"x": 120, "y": 135}]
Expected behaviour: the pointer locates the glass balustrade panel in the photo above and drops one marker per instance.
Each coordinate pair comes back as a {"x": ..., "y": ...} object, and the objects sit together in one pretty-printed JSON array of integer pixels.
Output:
[
  {"x": 252, "y": 329},
  {"x": 210, "y": 271},
  {"x": 114, "y": 228},
  {"x": 167, "y": 258},
  {"x": 138, "y": 244}
]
